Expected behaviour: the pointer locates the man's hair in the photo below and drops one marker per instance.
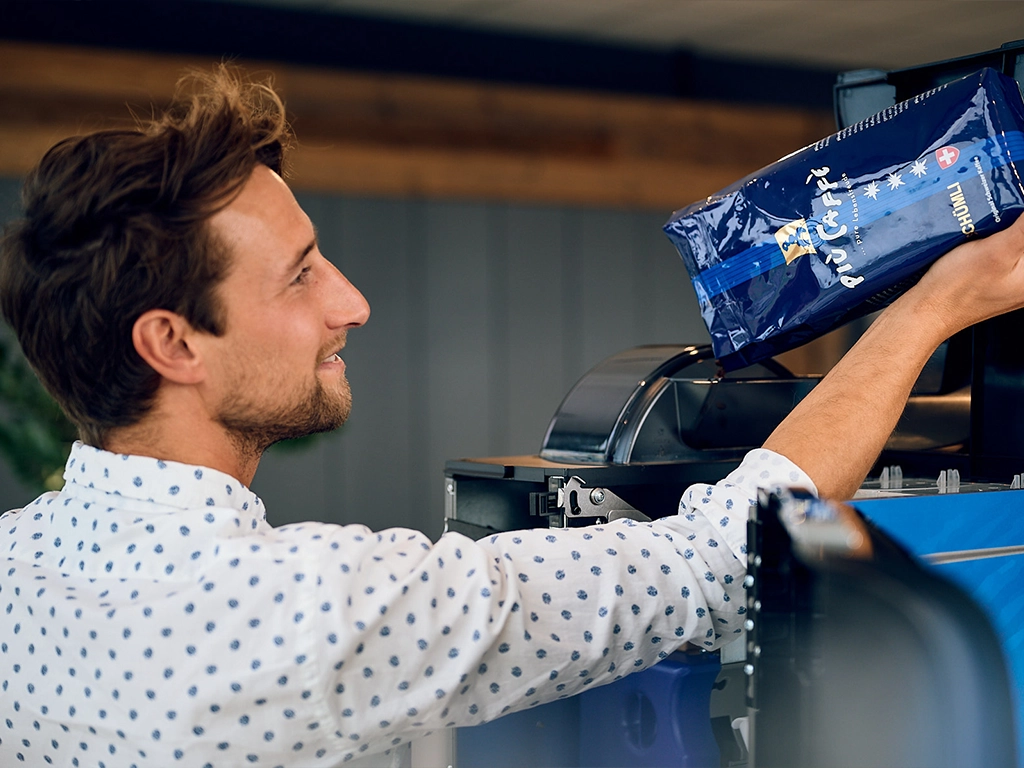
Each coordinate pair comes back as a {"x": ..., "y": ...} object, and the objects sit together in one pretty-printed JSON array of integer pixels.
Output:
[{"x": 115, "y": 224}]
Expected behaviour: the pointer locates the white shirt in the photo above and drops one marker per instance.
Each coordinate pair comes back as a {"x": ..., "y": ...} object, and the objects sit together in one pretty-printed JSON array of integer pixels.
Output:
[{"x": 152, "y": 617}]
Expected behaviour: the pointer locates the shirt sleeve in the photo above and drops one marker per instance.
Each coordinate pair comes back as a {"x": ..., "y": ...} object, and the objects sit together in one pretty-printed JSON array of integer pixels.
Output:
[
  {"x": 461, "y": 631},
  {"x": 726, "y": 504}
]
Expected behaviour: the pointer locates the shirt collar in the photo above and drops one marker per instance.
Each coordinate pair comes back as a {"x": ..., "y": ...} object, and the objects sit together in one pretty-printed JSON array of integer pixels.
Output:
[{"x": 169, "y": 483}]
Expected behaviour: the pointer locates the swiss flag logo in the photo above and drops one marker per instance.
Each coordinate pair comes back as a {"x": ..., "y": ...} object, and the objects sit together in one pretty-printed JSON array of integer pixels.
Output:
[{"x": 946, "y": 156}]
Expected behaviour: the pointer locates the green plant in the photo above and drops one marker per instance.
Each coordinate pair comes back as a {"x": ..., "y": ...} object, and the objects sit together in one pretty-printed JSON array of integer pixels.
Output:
[{"x": 35, "y": 436}]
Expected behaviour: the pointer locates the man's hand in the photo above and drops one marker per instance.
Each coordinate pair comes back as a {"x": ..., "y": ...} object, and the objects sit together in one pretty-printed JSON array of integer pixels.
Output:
[
  {"x": 836, "y": 433},
  {"x": 975, "y": 281}
]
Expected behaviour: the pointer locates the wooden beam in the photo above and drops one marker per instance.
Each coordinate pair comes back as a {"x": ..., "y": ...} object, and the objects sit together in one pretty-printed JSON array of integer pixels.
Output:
[{"x": 390, "y": 135}]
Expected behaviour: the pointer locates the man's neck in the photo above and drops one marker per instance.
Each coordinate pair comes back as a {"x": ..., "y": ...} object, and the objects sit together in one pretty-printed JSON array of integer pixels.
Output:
[{"x": 205, "y": 444}]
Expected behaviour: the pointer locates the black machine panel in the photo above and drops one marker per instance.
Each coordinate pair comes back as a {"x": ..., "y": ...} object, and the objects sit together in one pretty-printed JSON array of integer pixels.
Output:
[{"x": 859, "y": 656}]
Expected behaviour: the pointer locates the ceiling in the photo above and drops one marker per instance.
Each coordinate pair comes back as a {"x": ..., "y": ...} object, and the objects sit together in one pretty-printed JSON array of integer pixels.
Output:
[{"x": 831, "y": 34}]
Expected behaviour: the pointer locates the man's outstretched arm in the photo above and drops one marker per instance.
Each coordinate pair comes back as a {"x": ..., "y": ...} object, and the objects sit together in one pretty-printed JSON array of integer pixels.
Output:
[{"x": 837, "y": 432}]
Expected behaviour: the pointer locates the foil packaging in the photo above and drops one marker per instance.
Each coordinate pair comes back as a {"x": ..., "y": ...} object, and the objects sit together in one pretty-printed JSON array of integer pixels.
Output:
[{"x": 842, "y": 227}]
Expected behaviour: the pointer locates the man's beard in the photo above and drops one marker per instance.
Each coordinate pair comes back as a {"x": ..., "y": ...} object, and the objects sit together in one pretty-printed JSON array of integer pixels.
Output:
[{"x": 254, "y": 429}]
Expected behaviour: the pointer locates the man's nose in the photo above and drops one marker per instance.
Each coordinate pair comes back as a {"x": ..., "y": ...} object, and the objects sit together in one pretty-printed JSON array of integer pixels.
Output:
[{"x": 348, "y": 307}]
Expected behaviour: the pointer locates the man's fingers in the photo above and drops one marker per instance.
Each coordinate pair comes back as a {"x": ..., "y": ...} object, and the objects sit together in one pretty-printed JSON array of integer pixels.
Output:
[{"x": 975, "y": 281}]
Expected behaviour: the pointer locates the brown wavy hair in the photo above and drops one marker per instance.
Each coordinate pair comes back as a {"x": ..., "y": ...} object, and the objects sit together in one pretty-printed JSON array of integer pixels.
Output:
[{"x": 116, "y": 223}]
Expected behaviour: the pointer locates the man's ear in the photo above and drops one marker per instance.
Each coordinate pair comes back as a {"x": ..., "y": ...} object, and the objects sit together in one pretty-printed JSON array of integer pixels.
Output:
[{"x": 162, "y": 338}]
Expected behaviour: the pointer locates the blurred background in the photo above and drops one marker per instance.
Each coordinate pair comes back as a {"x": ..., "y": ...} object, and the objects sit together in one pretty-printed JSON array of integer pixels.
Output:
[{"x": 492, "y": 174}]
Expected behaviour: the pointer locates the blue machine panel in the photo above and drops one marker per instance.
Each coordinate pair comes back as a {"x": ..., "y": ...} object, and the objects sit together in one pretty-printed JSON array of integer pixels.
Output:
[
  {"x": 660, "y": 717},
  {"x": 928, "y": 525},
  {"x": 655, "y": 718}
]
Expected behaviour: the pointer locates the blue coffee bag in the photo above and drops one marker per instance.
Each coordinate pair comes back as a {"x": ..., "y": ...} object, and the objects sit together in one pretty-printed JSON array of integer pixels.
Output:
[{"x": 843, "y": 226}]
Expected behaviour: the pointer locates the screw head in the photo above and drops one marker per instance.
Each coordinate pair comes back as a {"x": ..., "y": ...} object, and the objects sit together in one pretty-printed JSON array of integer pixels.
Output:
[{"x": 597, "y": 496}]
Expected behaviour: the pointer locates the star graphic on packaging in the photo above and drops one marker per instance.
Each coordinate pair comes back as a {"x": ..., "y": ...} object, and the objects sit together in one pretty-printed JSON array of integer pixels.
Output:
[
  {"x": 872, "y": 190},
  {"x": 918, "y": 169},
  {"x": 895, "y": 181}
]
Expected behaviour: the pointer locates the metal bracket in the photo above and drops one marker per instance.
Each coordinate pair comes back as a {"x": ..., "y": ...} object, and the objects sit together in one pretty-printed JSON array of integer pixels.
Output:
[{"x": 571, "y": 499}]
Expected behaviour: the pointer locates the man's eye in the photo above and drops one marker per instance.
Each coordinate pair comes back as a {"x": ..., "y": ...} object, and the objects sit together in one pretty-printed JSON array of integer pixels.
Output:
[{"x": 301, "y": 277}]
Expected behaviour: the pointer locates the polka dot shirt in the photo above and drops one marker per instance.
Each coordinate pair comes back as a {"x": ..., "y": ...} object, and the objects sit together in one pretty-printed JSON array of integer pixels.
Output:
[{"x": 152, "y": 617}]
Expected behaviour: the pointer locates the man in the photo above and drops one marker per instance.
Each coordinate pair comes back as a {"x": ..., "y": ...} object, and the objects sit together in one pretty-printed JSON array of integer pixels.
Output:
[{"x": 170, "y": 293}]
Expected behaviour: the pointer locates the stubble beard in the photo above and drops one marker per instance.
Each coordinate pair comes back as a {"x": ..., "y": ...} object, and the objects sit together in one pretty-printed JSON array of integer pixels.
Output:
[{"x": 253, "y": 428}]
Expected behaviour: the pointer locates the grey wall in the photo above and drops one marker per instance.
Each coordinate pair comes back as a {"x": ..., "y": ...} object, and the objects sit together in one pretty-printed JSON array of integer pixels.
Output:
[{"x": 483, "y": 316}]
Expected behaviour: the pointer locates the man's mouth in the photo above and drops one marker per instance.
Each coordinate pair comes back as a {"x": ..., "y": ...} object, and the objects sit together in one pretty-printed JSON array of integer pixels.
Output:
[{"x": 334, "y": 358}]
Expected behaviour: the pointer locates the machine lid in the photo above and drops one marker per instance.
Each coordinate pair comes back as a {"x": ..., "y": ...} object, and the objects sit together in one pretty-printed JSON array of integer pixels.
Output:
[{"x": 600, "y": 414}]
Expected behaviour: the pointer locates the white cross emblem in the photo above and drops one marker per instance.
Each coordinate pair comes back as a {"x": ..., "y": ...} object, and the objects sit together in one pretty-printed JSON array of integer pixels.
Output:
[{"x": 947, "y": 156}]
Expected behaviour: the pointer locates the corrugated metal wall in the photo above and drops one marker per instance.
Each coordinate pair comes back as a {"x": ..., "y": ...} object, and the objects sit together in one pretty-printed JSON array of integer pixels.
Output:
[{"x": 483, "y": 316}]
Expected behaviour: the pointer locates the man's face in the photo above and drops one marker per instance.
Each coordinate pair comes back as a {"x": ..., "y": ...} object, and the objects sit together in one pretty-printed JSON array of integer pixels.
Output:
[{"x": 274, "y": 373}]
